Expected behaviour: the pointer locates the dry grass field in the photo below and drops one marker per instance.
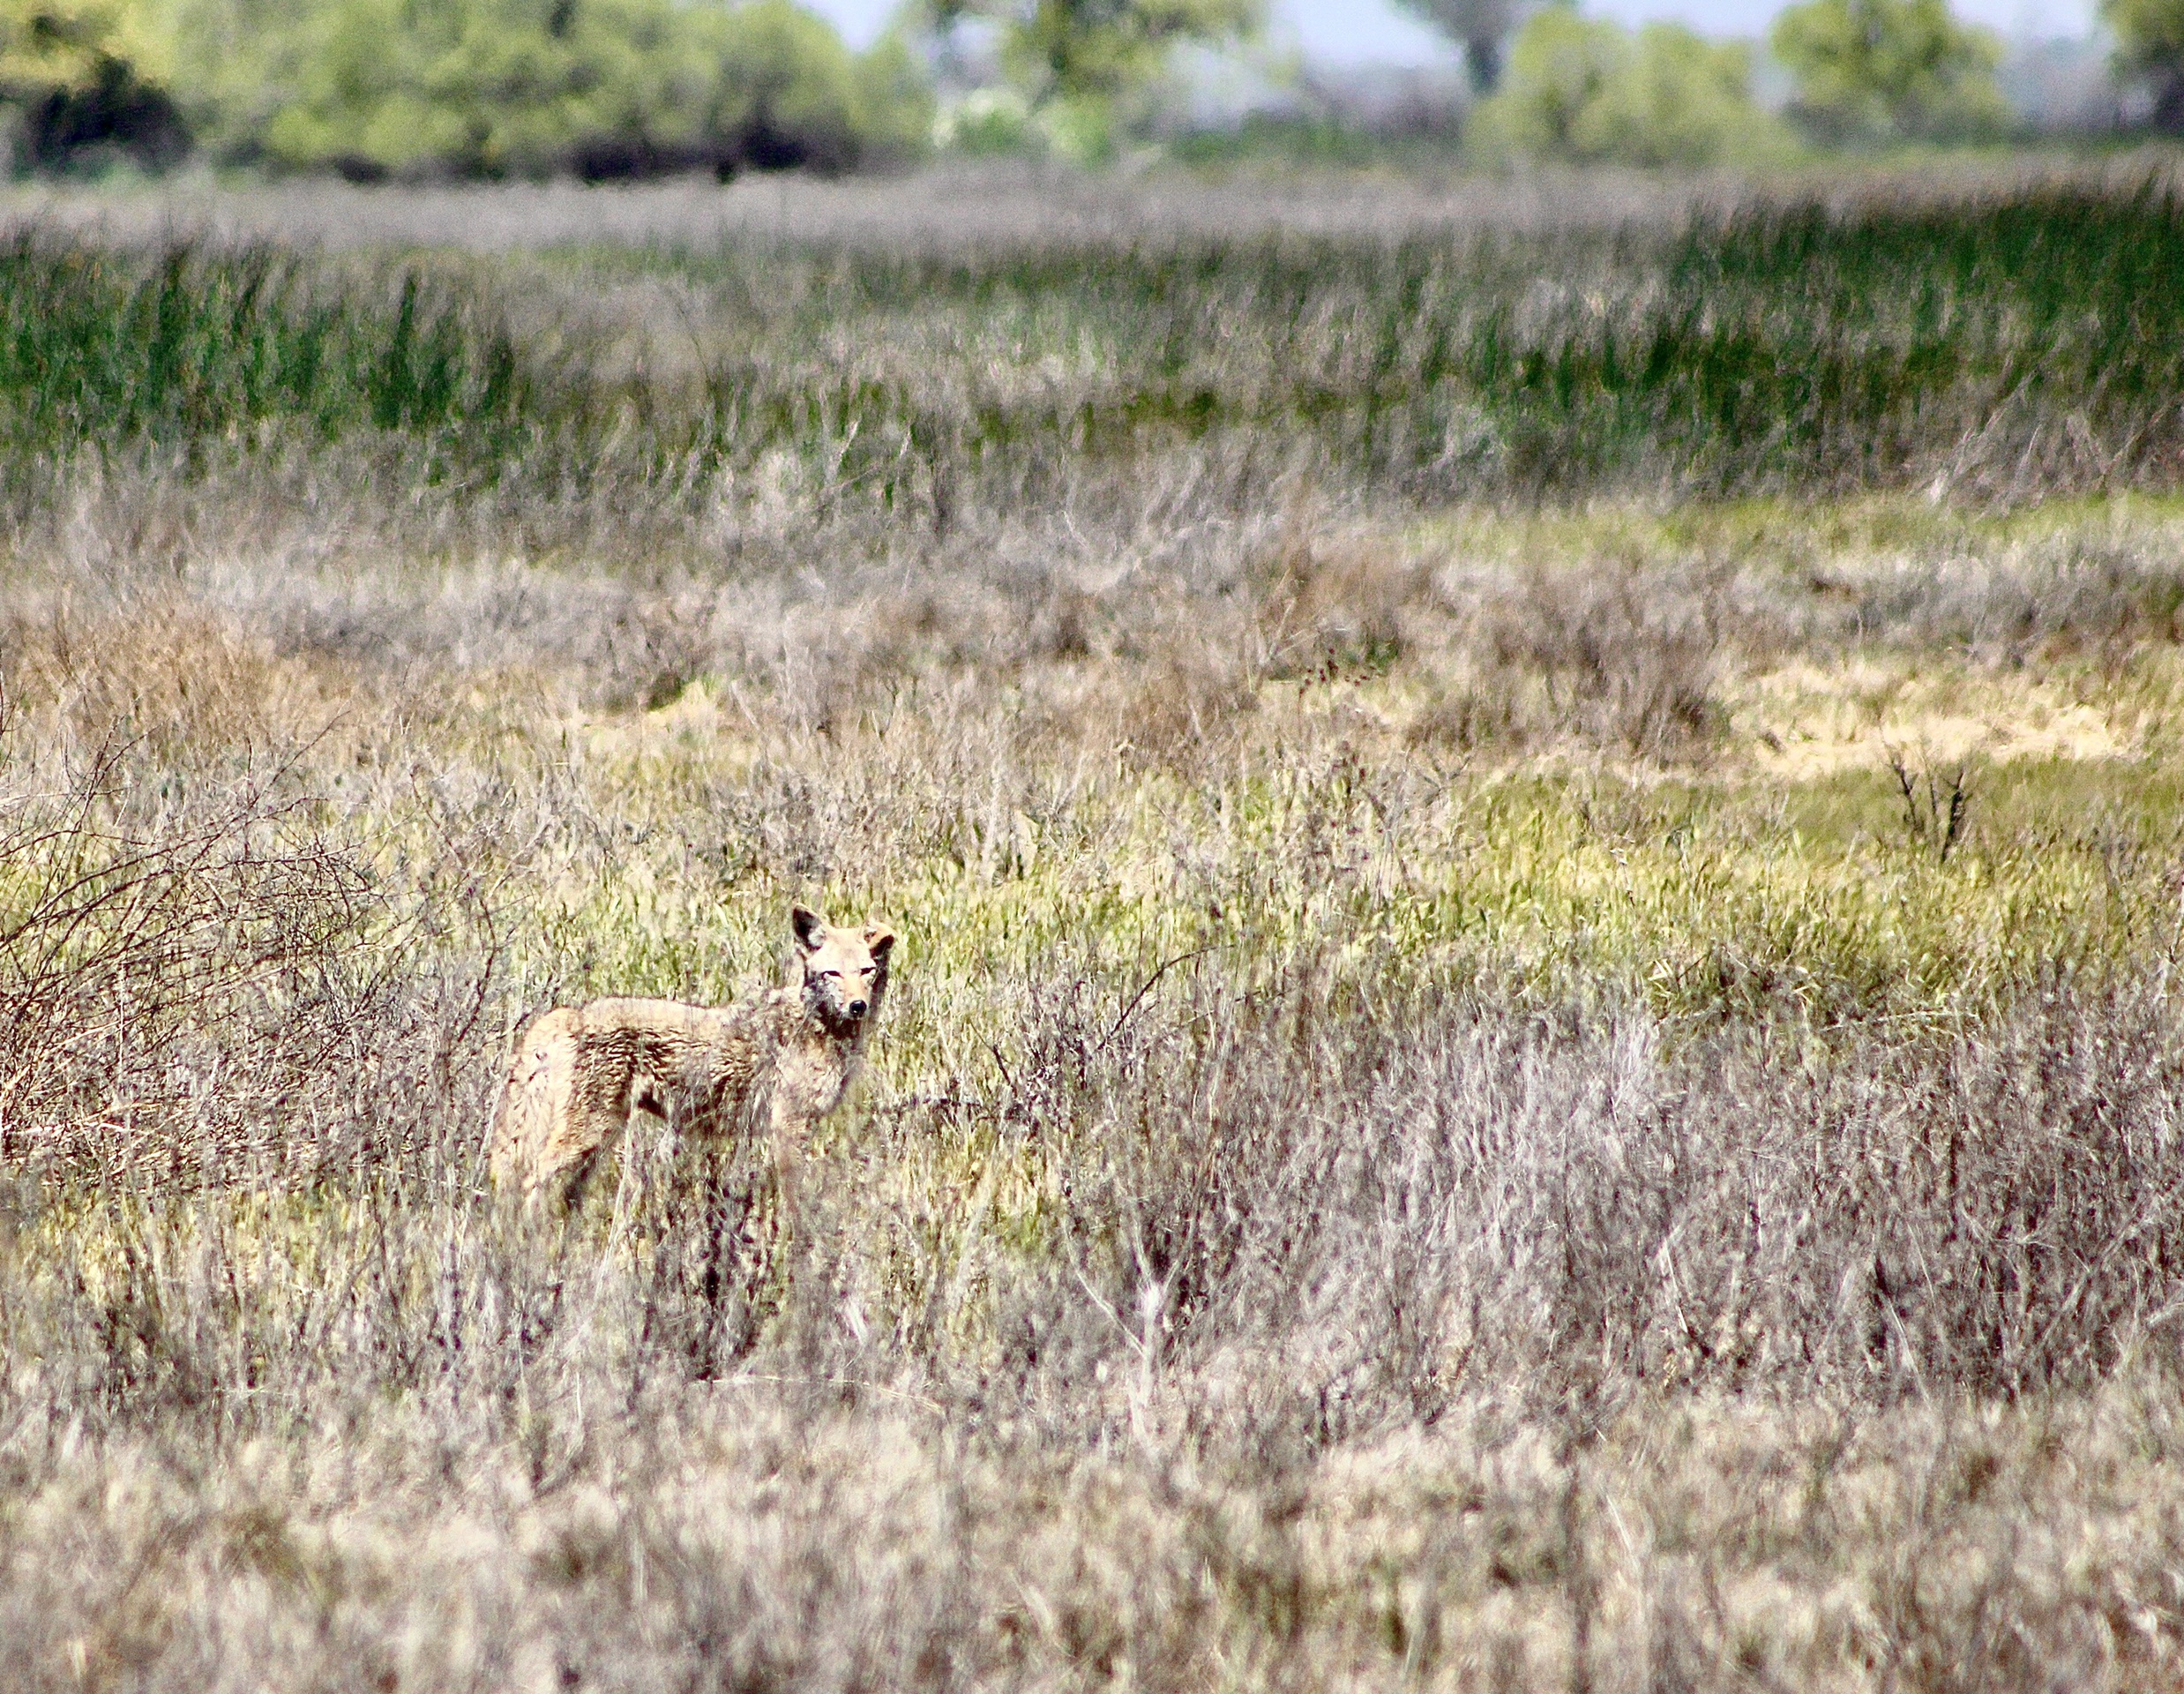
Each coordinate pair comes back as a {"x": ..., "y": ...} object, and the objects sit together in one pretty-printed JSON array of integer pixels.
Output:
[{"x": 1533, "y": 1043}]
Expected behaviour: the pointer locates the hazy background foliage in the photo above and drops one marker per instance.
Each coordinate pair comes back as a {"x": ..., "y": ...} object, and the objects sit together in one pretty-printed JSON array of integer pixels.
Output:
[
  {"x": 1882, "y": 70},
  {"x": 2151, "y": 35},
  {"x": 615, "y": 89},
  {"x": 492, "y": 89},
  {"x": 1586, "y": 91}
]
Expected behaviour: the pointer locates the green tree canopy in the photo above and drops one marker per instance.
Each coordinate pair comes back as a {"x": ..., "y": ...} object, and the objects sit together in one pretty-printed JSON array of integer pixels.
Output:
[
  {"x": 467, "y": 87},
  {"x": 1078, "y": 49},
  {"x": 2150, "y": 42},
  {"x": 1081, "y": 51},
  {"x": 1586, "y": 91},
  {"x": 77, "y": 74},
  {"x": 1885, "y": 70},
  {"x": 63, "y": 43},
  {"x": 1079, "y": 63}
]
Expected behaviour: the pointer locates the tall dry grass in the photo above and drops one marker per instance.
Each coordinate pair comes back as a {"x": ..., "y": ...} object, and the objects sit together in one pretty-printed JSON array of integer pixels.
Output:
[
  {"x": 1442, "y": 1124},
  {"x": 1209, "y": 1286}
]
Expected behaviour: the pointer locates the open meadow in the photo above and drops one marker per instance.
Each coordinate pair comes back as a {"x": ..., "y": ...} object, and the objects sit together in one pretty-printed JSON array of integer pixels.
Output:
[{"x": 1539, "y": 843}]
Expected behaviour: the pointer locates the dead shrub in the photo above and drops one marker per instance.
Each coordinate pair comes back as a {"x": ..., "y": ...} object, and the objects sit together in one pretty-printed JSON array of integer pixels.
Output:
[
  {"x": 1390, "y": 1212},
  {"x": 195, "y": 972},
  {"x": 1333, "y": 610},
  {"x": 2013, "y": 605},
  {"x": 163, "y": 673},
  {"x": 1600, "y": 654}
]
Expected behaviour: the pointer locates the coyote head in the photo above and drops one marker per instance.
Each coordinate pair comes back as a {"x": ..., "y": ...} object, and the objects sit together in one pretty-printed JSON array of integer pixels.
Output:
[{"x": 845, "y": 971}]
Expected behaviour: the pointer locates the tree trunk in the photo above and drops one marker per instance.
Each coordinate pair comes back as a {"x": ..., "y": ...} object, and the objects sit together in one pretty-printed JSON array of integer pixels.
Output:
[
  {"x": 1483, "y": 55},
  {"x": 2168, "y": 115}
]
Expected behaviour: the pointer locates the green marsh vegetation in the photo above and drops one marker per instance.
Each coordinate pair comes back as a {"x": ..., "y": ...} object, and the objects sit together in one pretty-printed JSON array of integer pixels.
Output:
[
  {"x": 1538, "y": 872},
  {"x": 2004, "y": 347}
]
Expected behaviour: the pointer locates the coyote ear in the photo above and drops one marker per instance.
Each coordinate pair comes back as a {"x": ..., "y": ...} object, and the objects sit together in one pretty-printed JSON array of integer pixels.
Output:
[
  {"x": 810, "y": 927},
  {"x": 878, "y": 938}
]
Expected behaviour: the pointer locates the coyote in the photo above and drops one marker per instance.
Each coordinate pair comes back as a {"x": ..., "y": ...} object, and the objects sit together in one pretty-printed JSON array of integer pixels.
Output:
[{"x": 774, "y": 1065}]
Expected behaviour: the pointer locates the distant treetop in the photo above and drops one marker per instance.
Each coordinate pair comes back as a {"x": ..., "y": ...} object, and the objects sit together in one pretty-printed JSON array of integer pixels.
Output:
[
  {"x": 2150, "y": 38},
  {"x": 1876, "y": 70}
]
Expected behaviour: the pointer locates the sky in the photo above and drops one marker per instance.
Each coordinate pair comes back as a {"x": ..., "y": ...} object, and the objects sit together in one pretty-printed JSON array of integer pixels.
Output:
[{"x": 1366, "y": 31}]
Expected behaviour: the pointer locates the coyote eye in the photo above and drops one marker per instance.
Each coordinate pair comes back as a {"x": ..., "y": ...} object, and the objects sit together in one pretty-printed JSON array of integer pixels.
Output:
[{"x": 831, "y": 973}]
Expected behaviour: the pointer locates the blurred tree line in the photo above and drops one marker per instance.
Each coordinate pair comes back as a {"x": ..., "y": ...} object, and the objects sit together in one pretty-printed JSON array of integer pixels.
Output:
[
  {"x": 2149, "y": 36},
  {"x": 1073, "y": 72},
  {"x": 1556, "y": 85},
  {"x": 618, "y": 88},
  {"x": 1586, "y": 91},
  {"x": 600, "y": 88},
  {"x": 1575, "y": 89},
  {"x": 405, "y": 88}
]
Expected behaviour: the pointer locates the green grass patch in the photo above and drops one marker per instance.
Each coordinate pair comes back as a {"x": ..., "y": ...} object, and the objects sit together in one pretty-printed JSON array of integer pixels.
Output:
[
  {"x": 2031, "y": 343},
  {"x": 104, "y": 350}
]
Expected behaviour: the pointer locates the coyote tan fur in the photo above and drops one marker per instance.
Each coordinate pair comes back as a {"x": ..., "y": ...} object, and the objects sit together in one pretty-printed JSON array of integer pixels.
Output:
[{"x": 774, "y": 1066}]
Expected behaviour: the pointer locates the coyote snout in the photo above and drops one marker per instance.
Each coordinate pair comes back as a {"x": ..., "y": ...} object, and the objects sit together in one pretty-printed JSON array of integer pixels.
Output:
[
  {"x": 579, "y": 1074},
  {"x": 845, "y": 971}
]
